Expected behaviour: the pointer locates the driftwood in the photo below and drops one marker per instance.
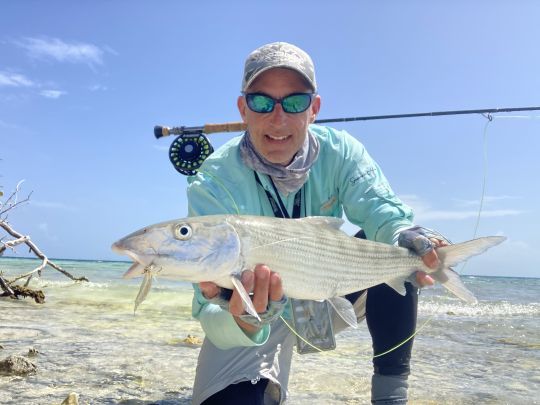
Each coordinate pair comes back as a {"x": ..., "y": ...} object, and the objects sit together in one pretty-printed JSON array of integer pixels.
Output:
[
  {"x": 7, "y": 286},
  {"x": 16, "y": 291}
]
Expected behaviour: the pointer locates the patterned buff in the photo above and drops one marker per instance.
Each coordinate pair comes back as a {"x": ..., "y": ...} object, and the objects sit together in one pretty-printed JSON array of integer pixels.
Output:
[{"x": 288, "y": 179}]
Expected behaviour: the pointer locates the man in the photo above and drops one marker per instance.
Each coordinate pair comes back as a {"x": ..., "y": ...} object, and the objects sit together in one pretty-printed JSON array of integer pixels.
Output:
[{"x": 285, "y": 166}]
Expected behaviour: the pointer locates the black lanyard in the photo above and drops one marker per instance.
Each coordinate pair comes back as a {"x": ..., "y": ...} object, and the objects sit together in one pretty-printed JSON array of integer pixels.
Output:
[{"x": 280, "y": 211}]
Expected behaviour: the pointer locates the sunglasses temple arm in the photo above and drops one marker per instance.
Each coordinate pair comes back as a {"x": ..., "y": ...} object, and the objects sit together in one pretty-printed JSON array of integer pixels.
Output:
[{"x": 161, "y": 131}]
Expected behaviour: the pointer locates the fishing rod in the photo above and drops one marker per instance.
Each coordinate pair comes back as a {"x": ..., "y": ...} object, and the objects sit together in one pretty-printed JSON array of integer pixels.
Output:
[{"x": 191, "y": 146}]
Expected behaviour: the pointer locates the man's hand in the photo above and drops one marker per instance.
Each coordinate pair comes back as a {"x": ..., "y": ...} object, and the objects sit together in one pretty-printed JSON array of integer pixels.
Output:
[
  {"x": 262, "y": 282},
  {"x": 424, "y": 244},
  {"x": 431, "y": 260}
]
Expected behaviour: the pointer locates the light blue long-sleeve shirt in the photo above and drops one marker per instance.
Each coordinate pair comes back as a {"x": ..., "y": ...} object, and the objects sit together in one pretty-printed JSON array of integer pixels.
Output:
[{"x": 343, "y": 179}]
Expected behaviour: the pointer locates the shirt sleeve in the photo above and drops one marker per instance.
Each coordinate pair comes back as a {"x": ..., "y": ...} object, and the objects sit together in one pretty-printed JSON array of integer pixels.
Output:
[
  {"x": 367, "y": 198},
  {"x": 206, "y": 198}
]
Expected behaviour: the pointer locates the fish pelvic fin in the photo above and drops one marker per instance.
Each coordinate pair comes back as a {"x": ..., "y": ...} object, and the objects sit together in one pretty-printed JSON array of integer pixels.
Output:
[
  {"x": 451, "y": 255},
  {"x": 246, "y": 300},
  {"x": 345, "y": 310}
]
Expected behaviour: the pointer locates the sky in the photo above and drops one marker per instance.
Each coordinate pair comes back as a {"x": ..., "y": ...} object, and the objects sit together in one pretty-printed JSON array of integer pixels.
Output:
[{"x": 82, "y": 85}]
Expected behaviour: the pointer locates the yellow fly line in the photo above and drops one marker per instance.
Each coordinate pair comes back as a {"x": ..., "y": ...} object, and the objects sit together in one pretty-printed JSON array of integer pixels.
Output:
[{"x": 425, "y": 323}]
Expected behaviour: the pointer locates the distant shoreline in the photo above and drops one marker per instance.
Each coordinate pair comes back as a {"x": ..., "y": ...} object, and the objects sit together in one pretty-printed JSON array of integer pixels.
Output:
[
  {"x": 56, "y": 259},
  {"x": 129, "y": 261}
]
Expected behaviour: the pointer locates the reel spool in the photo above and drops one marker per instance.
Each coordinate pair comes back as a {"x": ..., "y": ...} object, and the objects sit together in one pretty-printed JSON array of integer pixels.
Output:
[{"x": 188, "y": 152}]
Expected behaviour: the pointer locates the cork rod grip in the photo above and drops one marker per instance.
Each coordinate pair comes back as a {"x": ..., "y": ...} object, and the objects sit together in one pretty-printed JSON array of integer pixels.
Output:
[{"x": 226, "y": 127}]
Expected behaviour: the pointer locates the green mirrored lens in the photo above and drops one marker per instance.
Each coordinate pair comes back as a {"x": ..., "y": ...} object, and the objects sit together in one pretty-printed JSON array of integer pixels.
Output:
[
  {"x": 260, "y": 103},
  {"x": 296, "y": 103}
]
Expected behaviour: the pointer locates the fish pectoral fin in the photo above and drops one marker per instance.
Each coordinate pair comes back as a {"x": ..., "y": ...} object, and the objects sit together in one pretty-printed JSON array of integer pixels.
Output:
[
  {"x": 248, "y": 304},
  {"x": 345, "y": 310},
  {"x": 143, "y": 291},
  {"x": 135, "y": 270},
  {"x": 398, "y": 284}
]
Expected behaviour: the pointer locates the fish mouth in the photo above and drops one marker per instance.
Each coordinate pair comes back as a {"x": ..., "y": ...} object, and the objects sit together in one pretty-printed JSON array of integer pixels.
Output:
[{"x": 137, "y": 268}]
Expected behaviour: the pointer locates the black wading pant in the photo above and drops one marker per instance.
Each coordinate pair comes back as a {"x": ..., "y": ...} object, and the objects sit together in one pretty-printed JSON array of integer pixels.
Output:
[{"x": 391, "y": 319}]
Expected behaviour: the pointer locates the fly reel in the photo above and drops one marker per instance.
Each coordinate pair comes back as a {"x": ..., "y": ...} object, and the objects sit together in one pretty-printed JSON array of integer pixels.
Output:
[{"x": 188, "y": 152}]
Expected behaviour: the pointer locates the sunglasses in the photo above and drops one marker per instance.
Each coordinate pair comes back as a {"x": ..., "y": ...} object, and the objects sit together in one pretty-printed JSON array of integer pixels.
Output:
[{"x": 293, "y": 103}]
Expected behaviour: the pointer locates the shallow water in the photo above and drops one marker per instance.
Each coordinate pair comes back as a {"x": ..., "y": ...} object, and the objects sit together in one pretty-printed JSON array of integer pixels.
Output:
[{"x": 90, "y": 342}]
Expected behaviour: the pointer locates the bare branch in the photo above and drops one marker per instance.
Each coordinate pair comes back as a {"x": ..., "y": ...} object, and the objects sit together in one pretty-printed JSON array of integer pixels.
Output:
[
  {"x": 14, "y": 194},
  {"x": 38, "y": 253},
  {"x": 12, "y": 201},
  {"x": 12, "y": 243},
  {"x": 30, "y": 274},
  {"x": 9, "y": 288}
]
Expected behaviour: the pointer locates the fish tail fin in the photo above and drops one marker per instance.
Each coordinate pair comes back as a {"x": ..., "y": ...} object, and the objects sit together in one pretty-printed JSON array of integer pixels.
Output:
[
  {"x": 453, "y": 254},
  {"x": 452, "y": 282}
]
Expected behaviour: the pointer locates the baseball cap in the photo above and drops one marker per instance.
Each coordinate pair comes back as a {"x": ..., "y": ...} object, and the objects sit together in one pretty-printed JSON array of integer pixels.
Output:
[{"x": 278, "y": 55}]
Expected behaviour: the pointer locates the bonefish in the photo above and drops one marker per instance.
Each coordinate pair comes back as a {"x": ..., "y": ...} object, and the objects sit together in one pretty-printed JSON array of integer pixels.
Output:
[{"x": 314, "y": 258}]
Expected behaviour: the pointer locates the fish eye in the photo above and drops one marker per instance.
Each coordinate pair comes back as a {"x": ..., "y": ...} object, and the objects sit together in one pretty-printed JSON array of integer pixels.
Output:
[{"x": 183, "y": 232}]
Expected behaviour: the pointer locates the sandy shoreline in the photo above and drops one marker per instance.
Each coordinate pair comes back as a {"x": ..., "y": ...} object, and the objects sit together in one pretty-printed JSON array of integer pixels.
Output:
[{"x": 90, "y": 342}]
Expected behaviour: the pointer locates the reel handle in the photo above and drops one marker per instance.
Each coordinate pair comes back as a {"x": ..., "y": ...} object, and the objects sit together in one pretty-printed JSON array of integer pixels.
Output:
[{"x": 160, "y": 131}]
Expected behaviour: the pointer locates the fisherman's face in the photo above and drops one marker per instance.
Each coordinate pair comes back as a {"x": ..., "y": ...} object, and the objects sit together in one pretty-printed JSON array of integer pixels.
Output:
[{"x": 278, "y": 135}]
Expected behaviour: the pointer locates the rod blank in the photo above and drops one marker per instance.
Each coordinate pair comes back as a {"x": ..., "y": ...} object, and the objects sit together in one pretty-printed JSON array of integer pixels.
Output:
[{"x": 161, "y": 131}]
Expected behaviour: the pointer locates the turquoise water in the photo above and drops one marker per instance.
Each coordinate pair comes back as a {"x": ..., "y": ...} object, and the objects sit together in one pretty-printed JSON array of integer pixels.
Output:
[{"x": 90, "y": 342}]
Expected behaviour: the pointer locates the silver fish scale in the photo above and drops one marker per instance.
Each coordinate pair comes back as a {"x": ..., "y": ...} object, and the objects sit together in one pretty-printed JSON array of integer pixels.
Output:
[{"x": 316, "y": 261}]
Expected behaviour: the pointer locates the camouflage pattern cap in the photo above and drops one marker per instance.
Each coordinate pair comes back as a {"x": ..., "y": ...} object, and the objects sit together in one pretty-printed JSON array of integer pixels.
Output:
[{"x": 275, "y": 55}]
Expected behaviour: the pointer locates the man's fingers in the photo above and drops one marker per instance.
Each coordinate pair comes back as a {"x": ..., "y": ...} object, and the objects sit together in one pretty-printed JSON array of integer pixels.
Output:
[
  {"x": 263, "y": 283},
  {"x": 431, "y": 259},
  {"x": 261, "y": 288},
  {"x": 276, "y": 287},
  {"x": 208, "y": 289},
  {"x": 423, "y": 279},
  {"x": 438, "y": 242}
]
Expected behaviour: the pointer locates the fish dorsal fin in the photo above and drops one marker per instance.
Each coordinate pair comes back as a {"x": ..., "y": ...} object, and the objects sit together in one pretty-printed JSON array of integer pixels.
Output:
[
  {"x": 331, "y": 222},
  {"x": 248, "y": 304}
]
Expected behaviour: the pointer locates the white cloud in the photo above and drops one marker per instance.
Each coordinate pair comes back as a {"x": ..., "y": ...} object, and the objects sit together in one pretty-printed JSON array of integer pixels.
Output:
[
  {"x": 56, "y": 49},
  {"x": 44, "y": 228},
  {"x": 161, "y": 148},
  {"x": 8, "y": 125},
  {"x": 14, "y": 80},
  {"x": 487, "y": 200},
  {"x": 53, "y": 205},
  {"x": 98, "y": 87},
  {"x": 52, "y": 93},
  {"x": 423, "y": 210},
  {"x": 460, "y": 215}
]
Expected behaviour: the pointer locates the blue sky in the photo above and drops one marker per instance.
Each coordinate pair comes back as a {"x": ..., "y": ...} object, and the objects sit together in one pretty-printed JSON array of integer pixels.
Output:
[{"x": 83, "y": 83}]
